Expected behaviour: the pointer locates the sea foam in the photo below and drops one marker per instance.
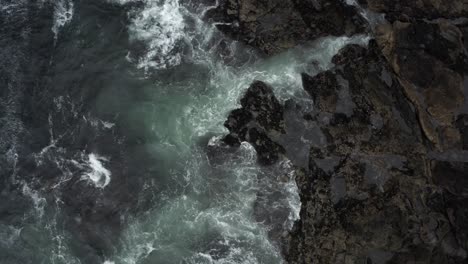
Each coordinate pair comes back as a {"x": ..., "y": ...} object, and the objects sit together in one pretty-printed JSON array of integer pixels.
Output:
[
  {"x": 161, "y": 27},
  {"x": 63, "y": 14},
  {"x": 97, "y": 173}
]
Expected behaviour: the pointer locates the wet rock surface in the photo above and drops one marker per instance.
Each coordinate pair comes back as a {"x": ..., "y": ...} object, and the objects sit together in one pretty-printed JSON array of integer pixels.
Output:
[
  {"x": 259, "y": 120},
  {"x": 429, "y": 59},
  {"x": 380, "y": 202},
  {"x": 274, "y": 26},
  {"x": 388, "y": 181},
  {"x": 382, "y": 159}
]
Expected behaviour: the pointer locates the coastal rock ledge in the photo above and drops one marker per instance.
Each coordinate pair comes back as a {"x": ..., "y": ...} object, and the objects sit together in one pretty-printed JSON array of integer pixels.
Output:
[{"x": 389, "y": 182}]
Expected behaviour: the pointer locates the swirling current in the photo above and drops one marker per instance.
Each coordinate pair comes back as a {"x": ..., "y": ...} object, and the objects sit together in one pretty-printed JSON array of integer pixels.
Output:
[{"x": 111, "y": 120}]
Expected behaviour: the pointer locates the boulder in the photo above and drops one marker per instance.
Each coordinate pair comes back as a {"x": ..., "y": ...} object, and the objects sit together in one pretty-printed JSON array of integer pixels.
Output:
[{"x": 257, "y": 122}]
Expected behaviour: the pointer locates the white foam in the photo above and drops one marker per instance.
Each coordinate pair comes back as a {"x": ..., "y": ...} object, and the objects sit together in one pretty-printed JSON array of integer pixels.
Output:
[
  {"x": 294, "y": 201},
  {"x": 231, "y": 183},
  {"x": 98, "y": 123},
  {"x": 161, "y": 27},
  {"x": 107, "y": 124},
  {"x": 214, "y": 141},
  {"x": 63, "y": 14},
  {"x": 97, "y": 173}
]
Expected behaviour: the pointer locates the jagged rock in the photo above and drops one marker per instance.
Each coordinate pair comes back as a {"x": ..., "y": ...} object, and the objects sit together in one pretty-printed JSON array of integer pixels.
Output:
[
  {"x": 373, "y": 191},
  {"x": 259, "y": 119},
  {"x": 377, "y": 202},
  {"x": 324, "y": 95},
  {"x": 429, "y": 61},
  {"x": 271, "y": 26},
  {"x": 277, "y": 25}
]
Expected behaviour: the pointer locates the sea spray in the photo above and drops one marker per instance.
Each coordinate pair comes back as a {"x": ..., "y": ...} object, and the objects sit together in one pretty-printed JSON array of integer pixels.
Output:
[
  {"x": 200, "y": 197},
  {"x": 211, "y": 220}
]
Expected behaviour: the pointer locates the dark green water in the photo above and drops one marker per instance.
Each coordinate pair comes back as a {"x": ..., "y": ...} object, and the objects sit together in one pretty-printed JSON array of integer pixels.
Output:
[{"x": 113, "y": 113}]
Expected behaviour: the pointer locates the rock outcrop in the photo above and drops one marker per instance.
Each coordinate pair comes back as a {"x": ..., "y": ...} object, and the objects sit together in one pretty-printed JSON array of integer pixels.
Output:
[
  {"x": 388, "y": 182},
  {"x": 371, "y": 194},
  {"x": 374, "y": 192},
  {"x": 429, "y": 59},
  {"x": 258, "y": 121},
  {"x": 274, "y": 26}
]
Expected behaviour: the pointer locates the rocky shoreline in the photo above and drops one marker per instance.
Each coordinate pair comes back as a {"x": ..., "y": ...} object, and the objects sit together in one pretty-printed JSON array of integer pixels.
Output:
[
  {"x": 388, "y": 181},
  {"x": 379, "y": 146}
]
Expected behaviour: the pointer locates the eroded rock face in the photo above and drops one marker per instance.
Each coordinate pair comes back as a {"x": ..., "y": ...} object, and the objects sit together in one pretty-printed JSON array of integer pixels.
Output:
[
  {"x": 388, "y": 181},
  {"x": 277, "y": 25},
  {"x": 258, "y": 121},
  {"x": 372, "y": 192},
  {"x": 361, "y": 208},
  {"x": 429, "y": 61}
]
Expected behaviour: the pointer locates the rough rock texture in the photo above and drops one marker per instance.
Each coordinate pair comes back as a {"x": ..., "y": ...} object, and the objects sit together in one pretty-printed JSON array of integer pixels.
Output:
[
  {"x": 385, "y": 177},
  {"x": 275, "y": 25},
  {"x": 429, "y": 60},
  {"x": 371, "y": 195},
  {"x": 376, "y": 190},
  {"x": 259, "y": 120},
  {"x": 375, "y": 193}
]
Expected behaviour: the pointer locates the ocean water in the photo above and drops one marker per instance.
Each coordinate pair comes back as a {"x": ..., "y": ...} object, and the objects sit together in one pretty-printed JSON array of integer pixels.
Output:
[{"x": 111, "y": 125}]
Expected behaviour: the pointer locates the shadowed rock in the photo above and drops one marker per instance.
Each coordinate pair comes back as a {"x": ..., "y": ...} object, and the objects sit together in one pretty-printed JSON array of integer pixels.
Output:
[
  {"x": 429, "y": 61},
  {"x": 369, "y": 195},
  {"x": 260, "y": 117},
  {"x": 274, "y": 26},
  {"x": 419, "y": 9}
]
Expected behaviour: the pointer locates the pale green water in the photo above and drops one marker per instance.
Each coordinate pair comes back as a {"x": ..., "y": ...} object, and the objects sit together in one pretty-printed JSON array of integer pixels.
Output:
[
  {"x": 214, "y": 212},
  {"x": 176, "y": 96}
]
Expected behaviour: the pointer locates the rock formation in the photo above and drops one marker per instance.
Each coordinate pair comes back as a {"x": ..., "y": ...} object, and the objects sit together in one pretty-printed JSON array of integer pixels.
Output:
[
  {"x": 429, "y": 59},
  {"x": 389, "y": 182},
  {"x": 274, "y": 26},
  {"x": 378, "y": 201},
  {"x": 259, "y": 120}
]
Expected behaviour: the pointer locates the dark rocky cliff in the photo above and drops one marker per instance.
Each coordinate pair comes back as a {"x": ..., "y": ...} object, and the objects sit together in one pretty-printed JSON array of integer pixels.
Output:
[{"x": 390, "y": 184}]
